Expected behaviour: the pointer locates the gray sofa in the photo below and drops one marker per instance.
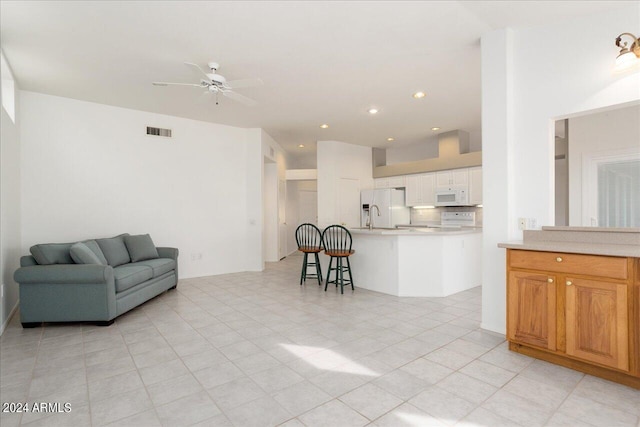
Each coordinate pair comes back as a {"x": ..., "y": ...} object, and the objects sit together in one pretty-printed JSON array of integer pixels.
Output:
[{"x": 93, "y": 280}]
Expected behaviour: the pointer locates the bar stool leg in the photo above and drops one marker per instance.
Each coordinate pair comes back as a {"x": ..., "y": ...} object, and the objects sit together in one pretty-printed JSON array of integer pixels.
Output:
[
  {"x": 341, "y": 276},
  {"x": 350, "y": 276},
  {"x": 326, "y": 283},
  {"x": 303, "y": 273},
  {"x": 318, "y": 269}
]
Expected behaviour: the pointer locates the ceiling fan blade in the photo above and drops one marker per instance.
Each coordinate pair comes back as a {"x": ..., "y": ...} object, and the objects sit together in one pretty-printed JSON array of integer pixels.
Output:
[
  {"x": 176, "y": 84},
  {"x": 240, "y": 98},
  {"x": 196, "y": 68},
  {"x": 235, "y": 84}
]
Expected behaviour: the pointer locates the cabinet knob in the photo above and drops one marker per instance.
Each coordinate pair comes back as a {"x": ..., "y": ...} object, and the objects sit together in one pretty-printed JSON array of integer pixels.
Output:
[
  {"x": 550, "y": 280},
  {"x": 559, "y": 259},
  {"x": 569, "y": 283}
]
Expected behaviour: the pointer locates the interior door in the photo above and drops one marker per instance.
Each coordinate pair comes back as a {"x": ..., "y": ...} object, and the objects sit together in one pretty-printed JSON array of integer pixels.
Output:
[{"x": 282, "y": 219}]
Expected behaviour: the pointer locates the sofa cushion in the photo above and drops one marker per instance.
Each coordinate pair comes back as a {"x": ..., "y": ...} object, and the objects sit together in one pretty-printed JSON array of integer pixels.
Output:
[
  {"x": 140, "y": 247},
  {"x": 52, "y": 253},
  {"x": 93, "y": 245},
  {"x": 81, "y": 254},
  {"x": 127, "y": 276},
  {"x": 114, "y": 250},
  {"x": 159, "y": 266}
]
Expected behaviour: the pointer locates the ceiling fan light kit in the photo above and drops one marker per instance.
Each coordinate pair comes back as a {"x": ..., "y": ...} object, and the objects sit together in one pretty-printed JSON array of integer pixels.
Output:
[{"x": 216, "y": 83}]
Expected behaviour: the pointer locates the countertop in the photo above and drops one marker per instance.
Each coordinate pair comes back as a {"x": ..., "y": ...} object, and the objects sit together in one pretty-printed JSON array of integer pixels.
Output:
[
  {"x": 415, "y": 231},
  {"x": 576, "y": 248},
  {"x": 581, "y": 240}
]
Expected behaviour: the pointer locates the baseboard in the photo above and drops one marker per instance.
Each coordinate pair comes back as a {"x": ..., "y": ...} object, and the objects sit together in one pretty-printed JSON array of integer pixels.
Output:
[{"x": 11, "y": 313}]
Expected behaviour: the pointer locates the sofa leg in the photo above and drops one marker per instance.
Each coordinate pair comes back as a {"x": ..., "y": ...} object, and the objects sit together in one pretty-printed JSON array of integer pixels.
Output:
[
  {"x": 174, "y": 287},
  {"x": 27, "y": 325},
  {"x": 105, "y": 322}
]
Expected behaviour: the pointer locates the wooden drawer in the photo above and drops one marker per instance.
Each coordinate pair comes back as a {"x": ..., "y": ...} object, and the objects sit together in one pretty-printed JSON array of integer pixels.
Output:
[{"x": 590, "y": 265}]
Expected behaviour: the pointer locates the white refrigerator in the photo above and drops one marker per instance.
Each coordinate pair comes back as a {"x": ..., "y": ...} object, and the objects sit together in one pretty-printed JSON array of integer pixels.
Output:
[{"x": 391, "y": 205}]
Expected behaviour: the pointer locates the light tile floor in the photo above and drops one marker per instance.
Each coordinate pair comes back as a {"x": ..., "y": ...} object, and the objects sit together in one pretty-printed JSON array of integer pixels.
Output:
[{"x": 256, "y": 349}]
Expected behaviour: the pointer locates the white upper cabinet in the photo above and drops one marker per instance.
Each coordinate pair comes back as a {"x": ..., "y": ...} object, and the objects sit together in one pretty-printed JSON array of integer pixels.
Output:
[
  {"x": 420, "y": 190},
  {"x": 475, "y": 186},
  {"x": 390, "y": 182},
  {"x": 455, "y": 177}
]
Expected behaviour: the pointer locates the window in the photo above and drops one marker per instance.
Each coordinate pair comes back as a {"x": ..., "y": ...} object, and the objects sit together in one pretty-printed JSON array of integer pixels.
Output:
[{"x": 8, "y": 89}]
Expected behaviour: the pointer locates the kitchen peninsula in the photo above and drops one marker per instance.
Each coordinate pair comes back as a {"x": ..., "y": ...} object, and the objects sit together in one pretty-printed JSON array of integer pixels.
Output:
[{"x": 417, "y": 262}]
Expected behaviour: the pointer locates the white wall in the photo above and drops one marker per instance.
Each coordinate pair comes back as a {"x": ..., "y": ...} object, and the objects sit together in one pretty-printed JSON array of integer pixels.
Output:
[
  {"x": 10, "y": 202},
  {"x": 529, "y": 80},
  {"x": 337, "y": 160},
  {"x": 89, "y": 170},
  {"x": 605, "y": 131}
]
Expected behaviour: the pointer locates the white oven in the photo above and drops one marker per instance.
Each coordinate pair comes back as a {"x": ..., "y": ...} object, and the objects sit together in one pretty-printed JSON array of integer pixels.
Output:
[{"x": 452, "y": 197}]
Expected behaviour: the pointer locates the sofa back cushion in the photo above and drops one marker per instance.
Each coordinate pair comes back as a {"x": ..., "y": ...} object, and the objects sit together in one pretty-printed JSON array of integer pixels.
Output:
[
  {"x": 93, "y": 245},
  {"x": 141, "y": 247},
  {"x": 52, "y": 253},
  {"x": 114, "y": 250},
  {"x": 81, "y": 254}
]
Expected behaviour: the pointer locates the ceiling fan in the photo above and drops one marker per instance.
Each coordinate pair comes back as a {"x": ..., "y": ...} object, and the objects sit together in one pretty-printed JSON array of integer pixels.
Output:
[{"x": 215, "y": 83}]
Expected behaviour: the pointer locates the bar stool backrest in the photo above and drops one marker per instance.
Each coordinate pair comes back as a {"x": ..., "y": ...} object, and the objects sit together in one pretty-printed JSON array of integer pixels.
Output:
[
  {"x": 336, "y": 238},
  {"x": 308, "y": 236}
]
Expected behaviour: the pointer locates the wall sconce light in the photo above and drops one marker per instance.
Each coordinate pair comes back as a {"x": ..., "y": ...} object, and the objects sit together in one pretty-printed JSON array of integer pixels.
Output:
[{"x": 628, "y": 56}]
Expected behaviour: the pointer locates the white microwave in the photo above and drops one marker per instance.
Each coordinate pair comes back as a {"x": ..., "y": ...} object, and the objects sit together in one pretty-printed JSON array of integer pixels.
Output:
[{"x": 452, "y": 197}]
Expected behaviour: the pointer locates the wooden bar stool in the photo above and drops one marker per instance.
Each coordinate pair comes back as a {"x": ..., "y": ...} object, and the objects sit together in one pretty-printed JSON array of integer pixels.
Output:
[
  {"x": 337, "y": 244},
  {"x": 309, "y": 240}
]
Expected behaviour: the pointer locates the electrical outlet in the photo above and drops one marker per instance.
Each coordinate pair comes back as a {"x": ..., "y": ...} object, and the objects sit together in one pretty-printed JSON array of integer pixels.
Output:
[{"x": 522, "y": 223}]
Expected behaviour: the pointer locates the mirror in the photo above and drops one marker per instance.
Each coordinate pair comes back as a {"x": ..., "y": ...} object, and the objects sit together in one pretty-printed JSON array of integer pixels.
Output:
[{"x": 597, "y": 169}]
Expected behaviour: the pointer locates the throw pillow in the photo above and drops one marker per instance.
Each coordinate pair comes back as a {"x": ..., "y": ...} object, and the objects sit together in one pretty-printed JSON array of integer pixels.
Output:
[
  {"x": 52, "y": 253},
  {"x": 141, "y": 247},
  {"x": 81, "y": 254},
  {"x": 91, "y": 244},
  {"x": 114, "y": 250}
]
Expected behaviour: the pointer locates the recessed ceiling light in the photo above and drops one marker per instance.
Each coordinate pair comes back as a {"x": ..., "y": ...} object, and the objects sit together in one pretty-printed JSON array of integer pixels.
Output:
[
  {"x": 324, "y": 126},
  {"x": 419, "y": 95},
  {"x": 373, "y": 111},
  {"x": 390, "y": 139},
  {"x": 434, "y": 129},
  {"x": 300, "y": 145}
]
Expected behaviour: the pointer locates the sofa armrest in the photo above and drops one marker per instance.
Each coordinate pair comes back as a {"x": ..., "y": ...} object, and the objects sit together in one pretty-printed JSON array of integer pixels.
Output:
[
  {"x": 168, "y": 253},
  {"x": 64, "y": 273}
]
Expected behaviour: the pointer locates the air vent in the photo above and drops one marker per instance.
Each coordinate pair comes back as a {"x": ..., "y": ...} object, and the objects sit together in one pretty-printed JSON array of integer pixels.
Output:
[
  {"x": 158, "y": 132},
  {"x": 272, "y": 152}
]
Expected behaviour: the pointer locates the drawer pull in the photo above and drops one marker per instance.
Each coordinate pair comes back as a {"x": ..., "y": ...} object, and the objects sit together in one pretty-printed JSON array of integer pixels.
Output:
[
  {"x": 559, "y": 259},
  {"x": 569, "y": 283},
  {"x": 550, "y": 280}
]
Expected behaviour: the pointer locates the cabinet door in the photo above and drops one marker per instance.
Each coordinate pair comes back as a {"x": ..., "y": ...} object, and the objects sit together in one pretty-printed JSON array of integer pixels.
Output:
[
  {"x": 444, "y": 179},
  {"x": 428, "y": 189},
  {"x": 475, "y": 186},
  {"x": 460, "y": 177},
  {"x": 597, "y": 322},
  {"x": 531, "y": 317},
  {"x": 413, "y": 194},
  {"x": 397, "y": 181},
  {"x": 381, "y": 183}
]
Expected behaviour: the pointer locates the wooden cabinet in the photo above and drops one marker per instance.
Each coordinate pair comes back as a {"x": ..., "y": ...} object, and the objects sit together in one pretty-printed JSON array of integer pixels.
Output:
[
  {"x": 475, "y": 186},
  {"x": 580, "y": 311},
  {"x": 420, "y": 190},
  {"x": 597, "y": 321},
  {"x": 532, "y": 309},
  {"x": 450, "y": 178}
]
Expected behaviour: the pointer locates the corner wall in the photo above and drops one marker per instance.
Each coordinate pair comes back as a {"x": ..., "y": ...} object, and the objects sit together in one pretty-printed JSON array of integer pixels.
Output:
[
  {"x": 339, "y": 161},
  {"x": 89, "y": 171},
  {"x": 529, "y": 80},
  {"x": 10, "y": 203}
]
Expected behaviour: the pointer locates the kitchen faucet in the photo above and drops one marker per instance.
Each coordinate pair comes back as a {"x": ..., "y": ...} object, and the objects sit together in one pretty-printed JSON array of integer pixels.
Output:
[{"x": 371, "y": 217}]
